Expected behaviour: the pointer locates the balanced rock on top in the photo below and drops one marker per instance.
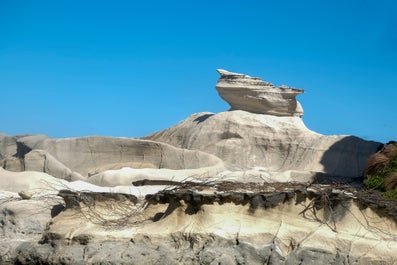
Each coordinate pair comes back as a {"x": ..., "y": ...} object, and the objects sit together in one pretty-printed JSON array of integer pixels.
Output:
[{"x": 251, "y": 94}]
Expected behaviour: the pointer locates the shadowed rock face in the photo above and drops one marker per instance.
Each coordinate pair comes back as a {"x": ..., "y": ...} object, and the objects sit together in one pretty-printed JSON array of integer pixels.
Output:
[
  {"x": 8, "y": 151},
  {"x": 7, "y": 145},
  {"x": 244, "y": 92}
]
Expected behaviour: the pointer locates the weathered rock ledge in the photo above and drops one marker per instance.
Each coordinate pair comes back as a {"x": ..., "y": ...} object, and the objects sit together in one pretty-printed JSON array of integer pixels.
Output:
[{"x": 223, "y": 223}]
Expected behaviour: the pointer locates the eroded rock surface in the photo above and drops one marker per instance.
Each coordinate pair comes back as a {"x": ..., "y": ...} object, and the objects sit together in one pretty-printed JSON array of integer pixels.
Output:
[
  {"x": 23, "y": 222},
  {"x": 97, "y": 159},
  {"x": 211, "y": 225},
  {"x": 229, "y": 188},
  {"x": 251, "y": 94},
  {"x": 8, "y": 152},
  {"x": 245, "y": 140},
  {"x": 88, "y": 154}
]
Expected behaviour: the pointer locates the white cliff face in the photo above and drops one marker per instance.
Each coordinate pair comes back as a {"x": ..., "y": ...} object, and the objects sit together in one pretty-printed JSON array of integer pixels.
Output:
[{"x": 251, "y": 94}]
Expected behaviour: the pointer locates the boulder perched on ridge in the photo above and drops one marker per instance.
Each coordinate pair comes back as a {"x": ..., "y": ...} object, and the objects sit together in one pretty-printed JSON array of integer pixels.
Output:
[{"x": 244, "y": 92}]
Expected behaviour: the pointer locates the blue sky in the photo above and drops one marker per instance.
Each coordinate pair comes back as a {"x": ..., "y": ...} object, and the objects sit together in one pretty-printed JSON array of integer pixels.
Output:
[{"x": 130, "y": 68}]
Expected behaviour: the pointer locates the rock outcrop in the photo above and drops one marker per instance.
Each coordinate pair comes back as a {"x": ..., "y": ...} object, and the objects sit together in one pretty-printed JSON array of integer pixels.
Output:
[
  {"x": 7, "y": 145},
  {"x": 251, "y": 94},
  {"x": 264, "y": 129},
  {"x": 248, "y": 186},
  {"x": 97, "y": 159},
  {"x": 8, "y": 152},
  {"x": 316, "y": 225},
  {"x": 246, "y": 140}
]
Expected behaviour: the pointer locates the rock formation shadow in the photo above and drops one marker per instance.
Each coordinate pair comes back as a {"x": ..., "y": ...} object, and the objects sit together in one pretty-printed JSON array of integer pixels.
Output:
[
  {"x": 172, "y": 206},
  {"x": 203, "y": 118},
  {"x": 57, "y": 209},
  {"x": 342, "y": 161}
]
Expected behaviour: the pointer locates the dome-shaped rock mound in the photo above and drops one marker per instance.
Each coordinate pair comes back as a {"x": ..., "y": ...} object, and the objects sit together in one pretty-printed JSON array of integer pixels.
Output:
[
  {"x": 264, "y": 129},
  {"x": 246, "y": 140}
]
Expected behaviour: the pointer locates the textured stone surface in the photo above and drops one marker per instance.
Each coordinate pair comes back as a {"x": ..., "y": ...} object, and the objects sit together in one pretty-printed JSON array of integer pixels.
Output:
[
  {"x": 42, "y": 161},
  {"x": 86, "y": 154},
  {"x": 8, "y": 145},
  {"x": 170, "y": 199},
  {"x": 26, "y": 218},
  {"x": 244, "y": 92},
  {"x": 35, "y": 182},
  {"x": 23, "y": 221},
  {"x": 8, "y": 151},
  {"x": 101, "y": 157},
  {"x": 246, "y": 140},
  {"x": 127, "y": 175},
  {"x": 41, "y": 185},
  {"x": 226, "y": 228}
]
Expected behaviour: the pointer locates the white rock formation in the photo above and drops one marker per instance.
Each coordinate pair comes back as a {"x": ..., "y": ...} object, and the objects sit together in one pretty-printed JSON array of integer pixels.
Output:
[
  {"x": 8, "y": 151},
  {"x": 42, "y": 186},
  {"x": 246, "y": 140},
  {"x": 7, "y": 145},
  {"x": 244, "y": 92},
  {"x": 265, "y": 130},
  {"x": 200, "y": 192},
  {"x": 204, "y": 228},
  {"x": 128, "y": 175},
  {"x": 42, "y": 161},
  {"x": 30, "y": 181},
  {"x": 101, "y": 157}
]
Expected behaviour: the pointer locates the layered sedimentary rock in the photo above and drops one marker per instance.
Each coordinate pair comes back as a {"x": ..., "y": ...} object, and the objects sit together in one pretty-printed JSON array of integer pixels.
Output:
[
  {"x": 7, "y": 145},
  {"x": 8, "y": 151},
  {"x": 244, "y": 92},
  {"x": 290, "y": 226},
  {"x": 81, "y": 158},
  {"x": 246, "y": 140},
  {"x": 234, "y": 187}
]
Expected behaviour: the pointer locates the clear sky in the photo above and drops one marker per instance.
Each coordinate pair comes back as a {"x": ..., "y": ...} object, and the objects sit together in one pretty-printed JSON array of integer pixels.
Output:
[{"x": 130, "y": 68}]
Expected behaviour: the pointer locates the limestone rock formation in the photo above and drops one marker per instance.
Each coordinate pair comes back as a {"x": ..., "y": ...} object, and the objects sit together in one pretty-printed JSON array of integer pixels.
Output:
[
  {"x": 246, "y": 140},
  {"x": 7, "y": 145},
  {"x": 23, "y": 222},
  {"x": 8, "y": 151},
  {"x": 244, "y": 92},
  {"x": 247, "y": 186},
  {"x": 42, "y": 161},
  {"x": 226, "y": 227},
  {"x": 86, "y": 154},
  {"x": 42, "y": 186},
  {"x": 81, "y": 158}
]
